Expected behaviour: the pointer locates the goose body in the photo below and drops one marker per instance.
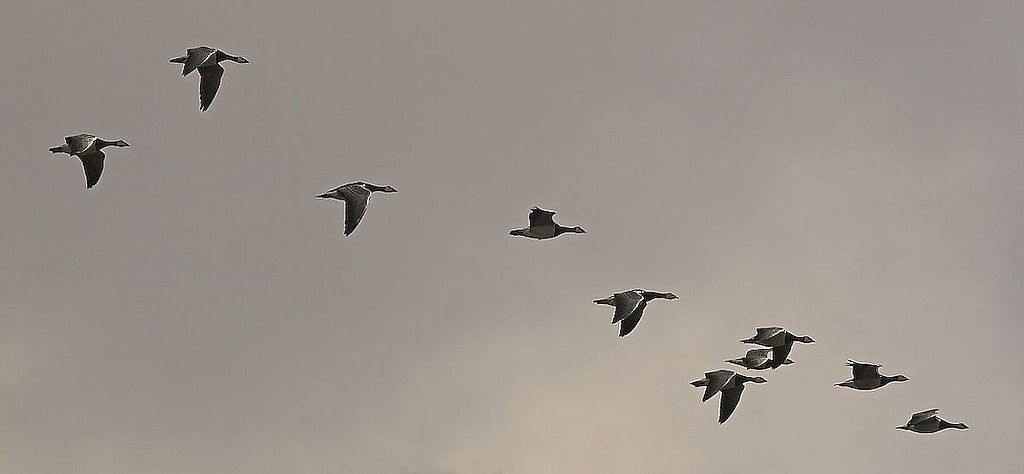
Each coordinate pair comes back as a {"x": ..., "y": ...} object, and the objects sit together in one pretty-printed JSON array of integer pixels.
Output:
[
  {"x": 356, "y": 196},
  {"x": 928, "y": 421},
  {"x": 779, "y": 340},
  {"x": 730, "y": 384},
  {"x": 629, "y": 307},
  {"x": 543, "y": 226},
  {"x": 88, "y": 148},
  {"x": 206, "y": 60},
  {"x": 757, "y": 359},
  {"x": 866, "y": 376}
]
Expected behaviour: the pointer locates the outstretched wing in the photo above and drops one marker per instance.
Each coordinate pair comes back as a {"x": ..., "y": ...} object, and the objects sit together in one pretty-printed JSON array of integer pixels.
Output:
[
  {"x": 356, "y": 198},
  {"x": 541, "y": 217},
  {"x": 730, "y": 398},
  {"x": 716, "y": 380},
  {"x": 93, "y": 165},
  {"x": 625, "y": 304},
  {"x": 921, "y": 416},
  {"x": 630, "y": 322},
  {"x": 79, "y": 143},
  {"x": 196, "y": 58},
  {"x": 780, "y": 353},
  {"x": 862, "y": 370},
  {"x": 758, "y": 357},
  {"x": 209, "y": 82},
  {"x": 767, "y": 333}
]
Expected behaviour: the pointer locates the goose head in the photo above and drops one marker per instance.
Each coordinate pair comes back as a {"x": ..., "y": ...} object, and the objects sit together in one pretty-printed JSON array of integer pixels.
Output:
[
  {"x": 239, "y": 59},
  {"x": 577, "y": 230},
  {"x": 328, "y": 195},
  {"x": 373, "y": 188},
  {"x": 900, "y": 378},
  {"x": 804, "y": 339},
  {"x": 654, "y": 295},
  {"x": 743, "y": 379},
  {"x": 101, "y": 143}
]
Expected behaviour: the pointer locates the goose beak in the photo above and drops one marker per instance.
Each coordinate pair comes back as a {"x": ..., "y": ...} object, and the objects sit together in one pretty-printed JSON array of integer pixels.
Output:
[{"x": 323, "y": 196}]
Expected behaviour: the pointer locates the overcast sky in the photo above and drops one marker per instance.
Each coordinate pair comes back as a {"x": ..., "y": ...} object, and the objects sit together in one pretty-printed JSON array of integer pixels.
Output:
[{"x": 848, "y": 170}]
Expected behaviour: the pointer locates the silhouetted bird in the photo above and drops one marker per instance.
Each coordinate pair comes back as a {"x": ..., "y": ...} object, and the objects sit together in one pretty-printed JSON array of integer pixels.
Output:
[
  {"x": 757, "y": 359},
  {"x": 866, "y": 376},
  {"x": 629, "y": 307},
  {"x": 928, "y": 422},
  {"x": 356, "y": 196},
  {"x": 542, "y": 226},
  {"x": 780, "y": 340},
  {"x": 206, "y": 60},
  {"x": 730, "y": 384},
  {"x": 87, "y": 148}
]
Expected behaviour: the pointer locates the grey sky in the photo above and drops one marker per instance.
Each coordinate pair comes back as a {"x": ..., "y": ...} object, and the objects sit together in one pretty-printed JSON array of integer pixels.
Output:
[{"x": 848, "y": 171}]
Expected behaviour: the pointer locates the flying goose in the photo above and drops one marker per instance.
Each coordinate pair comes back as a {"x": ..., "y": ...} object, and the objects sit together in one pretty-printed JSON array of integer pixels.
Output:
[
  {"x": 730, "y": 384},
  {"x": 780, "y": 340},
  {"x": 542, "y": 226},
  {"x": 206, "y": 60},
  {"x": 629, "y": 307},
  {"x": 356, "y": 196},
  {"x": 866, "y": 376},
  {"x": 87, "y": 148},
  {"x": 757, "y": 359},
  {"x": 929, "y": 422}
]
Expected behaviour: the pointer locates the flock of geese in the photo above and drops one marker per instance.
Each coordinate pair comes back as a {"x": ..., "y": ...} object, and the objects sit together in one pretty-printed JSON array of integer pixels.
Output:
[{"x": 629, "y": 305}]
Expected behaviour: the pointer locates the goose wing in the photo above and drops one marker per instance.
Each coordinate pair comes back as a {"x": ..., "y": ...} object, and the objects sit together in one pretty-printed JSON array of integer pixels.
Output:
[
  {"x": 758, "y": 357},
  {"x": 716, "y": 381},
  {"x": 196, "y": 57},
  {"x": 863, "y": 370},
  {"x": 209, "y": 82},
  {"x": 765, "y": 334},
  {"x": 625, "y": 304},
  {"x": 730, "y": 398},
  {"x": 631, "y": 321},
  {"x": 922, "y": 416},
  {"x": 780, "y": 353},
  {"x": 541, "y": 217},
  {"x": 356, "y": 198},
  {"x": 93, "y": 165},
  {"x": 79, "y": 143}
]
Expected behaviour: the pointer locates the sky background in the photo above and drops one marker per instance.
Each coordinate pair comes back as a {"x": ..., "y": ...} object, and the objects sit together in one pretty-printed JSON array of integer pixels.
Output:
[{"x": 848, "y": 171}]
